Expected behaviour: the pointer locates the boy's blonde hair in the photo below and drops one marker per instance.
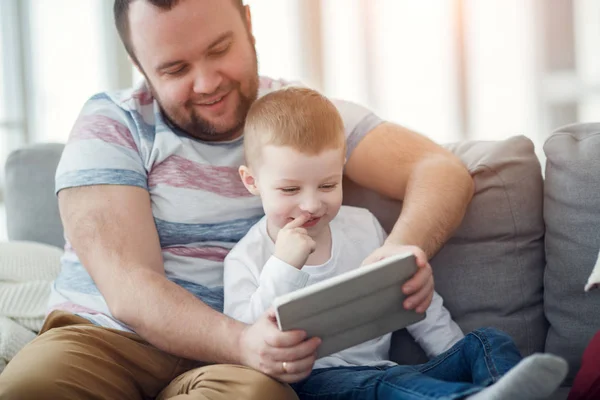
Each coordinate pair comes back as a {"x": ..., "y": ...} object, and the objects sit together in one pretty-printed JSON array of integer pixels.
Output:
[{"x": 296, "y": 117}]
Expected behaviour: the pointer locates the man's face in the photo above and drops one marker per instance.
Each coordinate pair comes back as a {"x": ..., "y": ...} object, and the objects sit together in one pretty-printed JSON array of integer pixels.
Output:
[{"x": 200, "y": 62}]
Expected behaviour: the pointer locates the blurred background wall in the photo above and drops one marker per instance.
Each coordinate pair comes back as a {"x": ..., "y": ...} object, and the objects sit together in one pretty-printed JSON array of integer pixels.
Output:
[{"x": 450, "y": 69}]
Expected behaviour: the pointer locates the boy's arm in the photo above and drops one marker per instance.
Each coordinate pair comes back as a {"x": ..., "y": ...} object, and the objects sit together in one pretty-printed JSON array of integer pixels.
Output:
[
  {"x": 437, "y": 332},
  {"x": 250, "y": 289}
]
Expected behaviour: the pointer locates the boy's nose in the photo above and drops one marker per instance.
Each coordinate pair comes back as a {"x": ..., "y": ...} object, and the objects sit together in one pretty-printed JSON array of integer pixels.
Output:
[{"x": 311, "y": 205}]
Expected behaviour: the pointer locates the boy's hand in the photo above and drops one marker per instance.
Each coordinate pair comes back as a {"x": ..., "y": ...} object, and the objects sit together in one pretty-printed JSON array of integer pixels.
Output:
[
  {"x": 285, "y": 356},
  {"x": 293, "y": 244}
]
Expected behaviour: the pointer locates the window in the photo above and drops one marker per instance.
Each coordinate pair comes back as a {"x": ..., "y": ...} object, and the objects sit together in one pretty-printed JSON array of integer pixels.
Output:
[{"x": 13, "y": 126}]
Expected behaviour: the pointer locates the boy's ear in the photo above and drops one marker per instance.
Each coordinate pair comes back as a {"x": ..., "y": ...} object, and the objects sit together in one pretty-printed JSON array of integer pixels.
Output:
[{"x": 248, "y": 180}]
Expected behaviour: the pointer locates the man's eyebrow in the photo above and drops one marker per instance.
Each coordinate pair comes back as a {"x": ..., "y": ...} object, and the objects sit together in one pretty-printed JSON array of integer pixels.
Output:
[
  {"x": 218, "y": 40},
  {"x": 222, "y": 37}
]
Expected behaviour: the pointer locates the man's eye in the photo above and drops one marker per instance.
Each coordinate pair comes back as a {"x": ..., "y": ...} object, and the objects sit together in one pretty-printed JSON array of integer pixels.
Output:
[
  {"x": 220, "y": 50},
  {"x": 175, "y": 72}
]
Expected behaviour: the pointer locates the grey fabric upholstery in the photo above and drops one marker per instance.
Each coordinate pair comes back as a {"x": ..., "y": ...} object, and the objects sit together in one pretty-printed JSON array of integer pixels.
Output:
[
  {"x": 572, "y": 214},
  {"x": 490, "y": 272},
  {"x": 31, "y": 206}
]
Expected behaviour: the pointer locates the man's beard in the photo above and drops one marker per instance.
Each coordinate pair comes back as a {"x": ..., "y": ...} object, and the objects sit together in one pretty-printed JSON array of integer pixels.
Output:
[
  {"x": 201, "y": 128},
  {"x": 193, "y": 124}
]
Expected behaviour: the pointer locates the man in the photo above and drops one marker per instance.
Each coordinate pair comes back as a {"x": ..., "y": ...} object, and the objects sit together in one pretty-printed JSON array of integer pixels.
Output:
[{"x": 151, "y": 203}]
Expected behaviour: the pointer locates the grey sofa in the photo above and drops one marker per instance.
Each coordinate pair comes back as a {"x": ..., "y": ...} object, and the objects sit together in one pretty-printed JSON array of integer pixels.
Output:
[{"x": 518, "y": 262}]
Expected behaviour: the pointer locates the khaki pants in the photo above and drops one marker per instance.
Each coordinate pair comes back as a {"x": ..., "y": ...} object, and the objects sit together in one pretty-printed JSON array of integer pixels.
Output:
[{"x": 75, "y": 359}]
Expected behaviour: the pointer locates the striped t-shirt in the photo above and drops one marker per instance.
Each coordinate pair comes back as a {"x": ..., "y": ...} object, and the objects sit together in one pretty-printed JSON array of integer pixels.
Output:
[{"x": 200, "y": 206}]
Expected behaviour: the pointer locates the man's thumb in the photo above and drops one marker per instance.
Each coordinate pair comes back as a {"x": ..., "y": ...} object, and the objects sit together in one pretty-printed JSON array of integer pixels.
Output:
[{"x": 271, "y": 314}]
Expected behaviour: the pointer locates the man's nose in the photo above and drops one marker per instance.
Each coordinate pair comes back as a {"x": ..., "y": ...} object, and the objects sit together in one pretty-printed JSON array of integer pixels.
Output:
[{"x": 207, "y": 80}]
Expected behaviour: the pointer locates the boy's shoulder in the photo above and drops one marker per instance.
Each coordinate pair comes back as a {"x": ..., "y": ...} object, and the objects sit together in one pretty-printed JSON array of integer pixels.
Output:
[
  {"x": 349, "y": 214},
  {"x": 359, "y": 231},
  {"x": 357, "y": 220},
  {"x": 254, "y": 242}
]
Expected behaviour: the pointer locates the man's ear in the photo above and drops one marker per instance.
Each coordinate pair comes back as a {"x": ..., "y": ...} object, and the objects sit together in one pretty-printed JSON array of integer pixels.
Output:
[
  {"x": 248, "y": 21},
  {"x": 249, "y": 180},
  {"x": 136, "y": 65}
]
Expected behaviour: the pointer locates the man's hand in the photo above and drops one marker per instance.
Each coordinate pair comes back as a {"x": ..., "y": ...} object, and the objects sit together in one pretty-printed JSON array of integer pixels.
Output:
[
  {"x": 419, "y": 288},
  {"x": 285, "y": 356},
  {"x": 293, "y": 244}
]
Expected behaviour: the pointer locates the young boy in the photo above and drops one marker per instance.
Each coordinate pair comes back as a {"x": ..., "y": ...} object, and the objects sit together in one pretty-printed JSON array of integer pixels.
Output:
[{"x": 295, "y": 154}]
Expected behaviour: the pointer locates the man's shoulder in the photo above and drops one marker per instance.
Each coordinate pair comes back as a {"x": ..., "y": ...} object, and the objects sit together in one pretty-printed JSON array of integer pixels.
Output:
[
  {"x": 128, "y": 114},
  {"x": 135, "y": 98},
  {"x": 267, "y": 85}
]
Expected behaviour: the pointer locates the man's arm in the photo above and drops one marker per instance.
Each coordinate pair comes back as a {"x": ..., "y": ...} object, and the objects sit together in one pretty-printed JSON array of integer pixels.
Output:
[
  {"x": 113, "y": 232},
  {"x": 433, "y": 183}
]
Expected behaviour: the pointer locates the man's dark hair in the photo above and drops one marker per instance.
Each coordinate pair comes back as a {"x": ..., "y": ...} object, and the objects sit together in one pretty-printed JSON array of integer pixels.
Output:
[{"x": 121, "y": 14}]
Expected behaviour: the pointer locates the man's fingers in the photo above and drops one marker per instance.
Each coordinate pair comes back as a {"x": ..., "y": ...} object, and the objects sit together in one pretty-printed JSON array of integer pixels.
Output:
[
  {"x": 298, "y": 352},
  {"x": 421, "y": 308},
  {"x": 300, "y": 366},
  {"x": 421, "y": 298},
  {"x": 297, "y": 370},
  {"x": 418, "y": 280},
  {"x": 420, "y": 257},
  {"x": 372, "y": 258},
  {"x": 271, "y": 315},
  {"x": 276, "y": 338},
  {"x": 367, "y": 261}
]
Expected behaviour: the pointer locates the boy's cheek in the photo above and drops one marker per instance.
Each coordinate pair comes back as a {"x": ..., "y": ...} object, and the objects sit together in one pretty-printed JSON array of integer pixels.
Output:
[{"x": 276, "y": 212}]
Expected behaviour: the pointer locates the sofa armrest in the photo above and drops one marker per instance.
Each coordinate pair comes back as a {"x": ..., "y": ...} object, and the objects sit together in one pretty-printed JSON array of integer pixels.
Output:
[{"x": 31, "y": 205}]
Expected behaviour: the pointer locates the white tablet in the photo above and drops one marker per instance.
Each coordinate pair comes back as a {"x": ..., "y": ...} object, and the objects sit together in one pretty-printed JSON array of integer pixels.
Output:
[{"x": 351, "y": 308}]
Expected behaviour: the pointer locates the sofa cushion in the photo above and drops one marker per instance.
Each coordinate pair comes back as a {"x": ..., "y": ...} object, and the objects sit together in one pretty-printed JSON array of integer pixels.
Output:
[
  {"x": 27, "y": 270},
  {"x": 572, "y": 216},
  {"x": 490, "y": 272}
]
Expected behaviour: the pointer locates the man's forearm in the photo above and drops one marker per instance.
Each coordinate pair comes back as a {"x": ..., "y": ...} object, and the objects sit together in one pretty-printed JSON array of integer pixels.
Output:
[
  {"x": 174, "y": 320},
  {"x": 437, "y": 195}
]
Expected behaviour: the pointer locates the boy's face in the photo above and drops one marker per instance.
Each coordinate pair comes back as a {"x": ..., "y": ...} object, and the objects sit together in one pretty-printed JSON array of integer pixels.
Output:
[{"x": 291, "y": 183}]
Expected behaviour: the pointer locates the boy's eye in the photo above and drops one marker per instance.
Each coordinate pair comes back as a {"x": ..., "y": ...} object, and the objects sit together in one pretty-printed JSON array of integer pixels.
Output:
[
  {"x": 289, "y": 189},
  {"x": 329, "y": 186}
]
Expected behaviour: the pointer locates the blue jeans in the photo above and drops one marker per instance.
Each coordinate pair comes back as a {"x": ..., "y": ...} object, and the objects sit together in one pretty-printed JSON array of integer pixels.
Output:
[{"x": 477, "y": 361}]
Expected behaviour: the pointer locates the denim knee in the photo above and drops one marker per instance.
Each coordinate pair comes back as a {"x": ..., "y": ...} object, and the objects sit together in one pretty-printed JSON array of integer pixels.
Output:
[
  {"x": 490, "y": 332},
  {"x": 494, "y": 337}
]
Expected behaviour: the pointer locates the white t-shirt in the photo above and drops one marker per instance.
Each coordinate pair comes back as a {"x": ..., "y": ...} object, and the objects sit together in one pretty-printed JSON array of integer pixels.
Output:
[{"x": 254, "y": 277}]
